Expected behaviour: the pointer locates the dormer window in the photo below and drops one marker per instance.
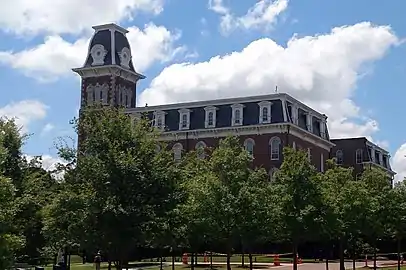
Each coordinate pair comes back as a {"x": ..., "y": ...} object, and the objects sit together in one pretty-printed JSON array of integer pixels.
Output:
[
  {"x": 159, "y": 120},
  {"x": 265, "y": 112},
  {"x": 184, "y": 119},
  {"x": 339, "y": 157},
  {"x": 237, "y": 114},
  {"x": 210, "y": 117}
]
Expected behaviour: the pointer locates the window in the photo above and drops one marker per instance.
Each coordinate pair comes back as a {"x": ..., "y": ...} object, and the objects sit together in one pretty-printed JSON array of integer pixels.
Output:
[
  {"x": 90, "y": 94},
  {"x": 264, "y": 112},
  {"x": 309, "y": 154},
  {"x": 358, "y": 156},
  {"x": 237, "y": 114},
  {"x": 249, "y": 146},
  {"x": 184, "y": 119},
  {"x": 264, "y": 115},
  {"x": 237, "y": 119},
  {"x": 210, "y": 119},
  {"x": 200, "y": 146},
  {"x": 177, "y": 151},
  {"x": 272, "y": 174},
  {"x": 159, "y": 120},
  {"x": 339, "y": 157},
  {"x": 294, "y": 145},
  {"x": 275, "y": 144}
]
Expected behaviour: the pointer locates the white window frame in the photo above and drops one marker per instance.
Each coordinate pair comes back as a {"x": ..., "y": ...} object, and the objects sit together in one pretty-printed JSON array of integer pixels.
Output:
[
  {"x": 236, "y": 107},
  {"x": 200, "y": 149},
  {"x": 182, "y": 113},
  {"x": 208, "y": 110},
  {"x": 340, "y": 160},
  {"x": 294, "y": 145},
  {"x": 268, "y": 106},
  {"x": 359, "y": 154},
  {"x": 275, "y": 153},
  {"x": 246, "y": 143},
  {"x": 157, "y": 115},
  {"x": 309, "y": 121},
  {"x": 177, "y": 151}
]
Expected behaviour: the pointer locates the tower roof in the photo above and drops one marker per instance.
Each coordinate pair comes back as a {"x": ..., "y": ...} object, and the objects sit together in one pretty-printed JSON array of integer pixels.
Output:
[{"x": 109, "y": 46}]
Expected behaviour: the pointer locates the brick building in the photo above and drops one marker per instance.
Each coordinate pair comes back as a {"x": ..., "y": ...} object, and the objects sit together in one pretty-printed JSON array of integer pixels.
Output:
[{"x": 264, "y": 123}]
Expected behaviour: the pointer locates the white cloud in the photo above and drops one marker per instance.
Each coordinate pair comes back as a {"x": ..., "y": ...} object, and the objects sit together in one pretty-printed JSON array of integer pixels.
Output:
[
  {"x": 24, "y": 112},
  {"x": 47, "y": 128},
  {"x": 55, "y": 57},
  {"x": 399, "y": 163},
  {"x": 68, "y": 16},
  {"x": 320, "y": 70},
  {"x": 263, "y": 15}
]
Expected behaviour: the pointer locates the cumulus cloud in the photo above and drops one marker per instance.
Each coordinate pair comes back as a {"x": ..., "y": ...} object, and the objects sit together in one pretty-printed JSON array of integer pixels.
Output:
[
  {"x": 399, "y": 163},
  {"x": 320, "y": 70},
  {"x": 263, "y": 15},
  {"x": 24, "y": 112},
  {"x": 56, "y": 56},
  {"x": 68, "y": 16}
]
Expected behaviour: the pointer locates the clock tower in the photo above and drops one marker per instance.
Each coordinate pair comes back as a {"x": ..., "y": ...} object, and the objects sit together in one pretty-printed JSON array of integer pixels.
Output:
[{"x": 108, "y": 76}]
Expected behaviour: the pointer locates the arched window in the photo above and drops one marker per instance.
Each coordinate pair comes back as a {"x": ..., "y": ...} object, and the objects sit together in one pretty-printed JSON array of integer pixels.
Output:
[
  {"x": 272, "y": 172},
  {"x": 264, "y": 114},
  {"x": 210, "y": 119},
  {"x": 275, "y": 145},
  {"x": 237, "y": 116},
  {"x": 200, "y": 146},
  {"x": 340, "y": 157},
  {"x": 177, "y": 151},
  {"x": 294, "y": 145},
  {"x": 358, "y": 156},
  {"x": 249, "y": 146}
]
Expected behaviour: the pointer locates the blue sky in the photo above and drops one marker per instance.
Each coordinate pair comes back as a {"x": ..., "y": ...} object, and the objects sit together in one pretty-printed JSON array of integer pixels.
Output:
[{"x": 345, "y": 58}]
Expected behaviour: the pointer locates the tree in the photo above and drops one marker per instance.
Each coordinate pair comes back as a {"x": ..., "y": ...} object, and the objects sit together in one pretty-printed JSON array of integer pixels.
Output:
[
  {"x": 378, "y": 184},
  {"x": 346, "y": 200},
  {"x": 397, "y": 215},
  {"x": 300, "y": 200},
  {"x": 125, "y": 187}
]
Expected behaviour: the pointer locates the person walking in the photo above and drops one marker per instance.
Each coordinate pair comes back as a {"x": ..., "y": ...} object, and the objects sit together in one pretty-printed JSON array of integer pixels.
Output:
[{"x": 97, "y": 260}]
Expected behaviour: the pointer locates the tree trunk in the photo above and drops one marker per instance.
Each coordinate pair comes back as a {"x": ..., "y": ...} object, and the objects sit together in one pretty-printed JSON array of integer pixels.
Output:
[
  {"x": 327, "y": 251},
  {"x": 341, "y": 250},
  {"x": 109, "y": 267},
  {"x": 374, "y": 256},
  {"x": 250, "y": 258},
  {"x": 399, "y": 250},
  {"x": 242, "y": 259},
  {"x": 192, "y": 261},
  {"x": 161, "y": 264},
  {"x": 294, "y": 255},
  {"x": 211, "y": 260},
  {"x": 228, "y": 260},
  {"x": 173, "y": 260},
  {"x": 353, "y": 262},
  {"x": 196, "y": 256}
]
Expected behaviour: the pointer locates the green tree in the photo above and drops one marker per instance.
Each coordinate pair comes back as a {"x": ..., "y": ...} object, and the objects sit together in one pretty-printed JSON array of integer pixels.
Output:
[
  {"x": 378, "y": 185},
  {"x": 346, "y": 201},
  {"x": 124, "y": 185},
  {"x": 397, "y": 215},
  {"x": 300, "y": 200}
]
